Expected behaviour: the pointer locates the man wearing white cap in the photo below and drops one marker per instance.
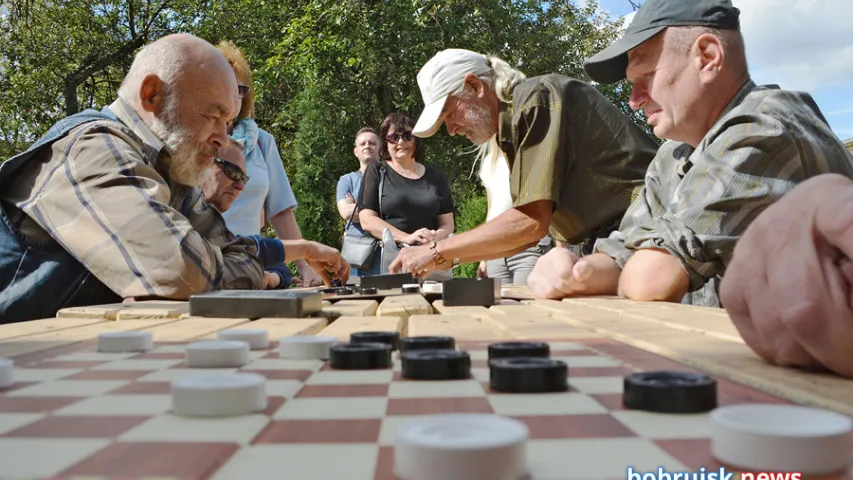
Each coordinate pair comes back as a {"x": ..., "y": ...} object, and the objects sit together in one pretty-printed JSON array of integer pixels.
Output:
[{"x": 575, "y": 160}]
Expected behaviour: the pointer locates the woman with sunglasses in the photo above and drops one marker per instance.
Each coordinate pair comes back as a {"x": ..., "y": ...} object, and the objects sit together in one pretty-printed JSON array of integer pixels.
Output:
[
  {"x": 269, "y": 196},
  {"x": 415, "y": 207}
]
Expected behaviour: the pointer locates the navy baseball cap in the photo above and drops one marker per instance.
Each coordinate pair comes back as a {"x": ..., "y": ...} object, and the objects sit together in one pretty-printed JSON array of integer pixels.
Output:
[{"x": 608, "y": 66}]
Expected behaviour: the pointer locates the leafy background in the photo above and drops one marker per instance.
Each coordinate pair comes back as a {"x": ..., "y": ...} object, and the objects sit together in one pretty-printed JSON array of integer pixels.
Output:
[{"x": 322, "y": 69}]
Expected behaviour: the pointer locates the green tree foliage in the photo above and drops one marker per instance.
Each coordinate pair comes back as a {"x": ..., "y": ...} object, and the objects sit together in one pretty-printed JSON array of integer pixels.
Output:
[{"x": 322, "y": 70}]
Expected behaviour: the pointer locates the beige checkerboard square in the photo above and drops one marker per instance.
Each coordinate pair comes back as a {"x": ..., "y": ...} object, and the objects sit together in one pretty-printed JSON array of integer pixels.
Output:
[
  {"x": 390, "y": 425},
  {"x": 436, "y": 389},
  {"x": 283, "y": 364},
  {"x": 597, "y": 384},
  {"x": 13, "y": 421},
  {"x": 568, "y": 403},
  {"x": 68, "y": 388},
  {"x": 319, "y": 408},
  {"x": 316, "y": 461},
  {"x": 172, "y": 373},
  {"x": 140, "y": 364},
  {"x": 346, "y": 377},
  {"x": 662, "y": 426},
  {"x": 481, "y": 374},
  {"x": 588, "y": 361},
  {"x": 42, "y": 374},
  {"x": 588, "y": 458},
  {"x": 283, "y": 388},
  {"x": 172, "y": 428},
  {"x": 93, "y": 357},
  {"x": 119, "y": 405},
  {"x": 43, "y": 458}
]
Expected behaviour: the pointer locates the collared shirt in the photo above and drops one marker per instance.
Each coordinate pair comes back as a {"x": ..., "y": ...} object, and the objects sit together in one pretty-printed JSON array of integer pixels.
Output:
[
  {"x": 696, "y": 203},
  {"x": 567, "y": 143},
  {"x": 102, "y": 193}
]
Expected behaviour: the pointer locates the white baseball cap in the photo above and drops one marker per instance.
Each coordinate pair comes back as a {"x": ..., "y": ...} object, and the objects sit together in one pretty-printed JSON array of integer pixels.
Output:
[{"x": 442, "y": 75}]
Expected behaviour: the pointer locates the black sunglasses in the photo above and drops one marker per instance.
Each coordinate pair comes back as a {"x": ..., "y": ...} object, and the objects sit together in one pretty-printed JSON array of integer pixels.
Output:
[
  {"x": 231, "y": 171},
  {"x": 395, "y": 137},
  {"x": 243, "y": 90}
]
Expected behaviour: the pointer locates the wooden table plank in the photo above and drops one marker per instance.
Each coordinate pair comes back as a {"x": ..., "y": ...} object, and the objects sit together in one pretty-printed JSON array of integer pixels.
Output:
[
  {"x": 350, "y": 308},
  {"x": 524, "y": 322},
  {"x": 403, "y": 307},
  {"x": 153, "y": 308},
  {"x": 189, "y": 328},
  {"x": 23, "y": 329},
  {"x": 287, "y": 327},
  {"x": 343, "y": 327},
  {"x": 717, "y": 356},
  {"x": 460, "y": 327},
  {"x": 50, "y": 339}
]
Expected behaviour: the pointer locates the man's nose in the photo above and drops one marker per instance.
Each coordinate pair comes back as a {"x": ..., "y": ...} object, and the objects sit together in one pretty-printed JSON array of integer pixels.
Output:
[{"x": 638, "y": 97}]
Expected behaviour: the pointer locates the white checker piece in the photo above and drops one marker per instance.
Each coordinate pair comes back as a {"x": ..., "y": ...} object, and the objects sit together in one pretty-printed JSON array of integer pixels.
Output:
[
  {"x": 69, "y": 388},
  {"x": 597, "y": 385},
  {"x": 343, "y": 377},
  {"x": 436, "y": 389},
  {"x": 174, "y": 428},
  {"x": 14, "y": 421},
  {"x": 332, "y": 408},
  {"x": 586, "y": 458},
  {"x": 262, "y": 462},
  {"x": 43, "y": 457},
  {"x": 568, "y": 403},
  {"x": 43, "y": 374},
  {"x": 661, "y": 426},
  {"x": 138, "y": 364},
  {"x": 110, "y": 405}
]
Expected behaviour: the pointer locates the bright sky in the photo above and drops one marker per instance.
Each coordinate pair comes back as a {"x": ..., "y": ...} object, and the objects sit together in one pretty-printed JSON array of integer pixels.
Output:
[{"x": 797, "y": 44}]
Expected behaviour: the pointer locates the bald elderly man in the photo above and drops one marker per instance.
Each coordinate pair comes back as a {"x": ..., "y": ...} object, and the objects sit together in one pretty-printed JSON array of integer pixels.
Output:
[
  {"x": 222, "y": 186},
  {"x": 106, "y": 207}
]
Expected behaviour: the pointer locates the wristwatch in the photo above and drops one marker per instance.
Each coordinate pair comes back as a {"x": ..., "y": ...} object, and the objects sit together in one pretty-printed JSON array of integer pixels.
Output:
[{"x": 437, "y": 258}]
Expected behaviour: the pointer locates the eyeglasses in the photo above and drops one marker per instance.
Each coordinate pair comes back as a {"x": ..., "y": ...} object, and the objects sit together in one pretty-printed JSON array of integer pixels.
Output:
[
  {"x": 243, "y": 90},
  {"x": 231, "y": 171},
  {"x": 395, "y": 137}
]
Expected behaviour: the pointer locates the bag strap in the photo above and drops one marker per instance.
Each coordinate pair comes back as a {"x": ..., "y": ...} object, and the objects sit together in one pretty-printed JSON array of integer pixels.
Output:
[{"x": 358, "y": 202}]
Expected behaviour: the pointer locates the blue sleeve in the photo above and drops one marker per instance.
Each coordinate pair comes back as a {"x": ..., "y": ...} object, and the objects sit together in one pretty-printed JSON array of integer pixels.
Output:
[
  {"x": 280, "y": 196},
  {"x": 270, "y": 250},
  {"x": 284, "y": 274},
  {"x": 344, "y": 187}
]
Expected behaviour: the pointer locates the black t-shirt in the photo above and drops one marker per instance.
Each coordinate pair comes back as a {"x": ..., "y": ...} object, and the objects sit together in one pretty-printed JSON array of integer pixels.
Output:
[{"x": 407, "y": 204}]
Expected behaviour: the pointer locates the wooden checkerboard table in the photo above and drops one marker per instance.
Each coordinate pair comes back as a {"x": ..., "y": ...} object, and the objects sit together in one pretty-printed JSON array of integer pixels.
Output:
[{"x": 73, "y": 412}]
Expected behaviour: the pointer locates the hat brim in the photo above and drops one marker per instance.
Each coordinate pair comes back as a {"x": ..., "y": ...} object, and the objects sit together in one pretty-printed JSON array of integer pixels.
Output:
[
  {"x": 428, "y": 123},
  {"x": 609, "y": 65}
]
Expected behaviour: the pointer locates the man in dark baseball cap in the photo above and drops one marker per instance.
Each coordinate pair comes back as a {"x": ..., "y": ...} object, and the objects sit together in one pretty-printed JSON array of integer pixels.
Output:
[
  {"x": 608, "y": 66},
  {"x": 733, "y": 149}
]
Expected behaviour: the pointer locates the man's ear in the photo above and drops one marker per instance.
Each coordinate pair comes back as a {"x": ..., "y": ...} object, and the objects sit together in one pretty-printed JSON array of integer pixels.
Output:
[
  {"x": 474, "y": 85},
  {"x": 152, "y": 94},
  {"x": 709, "y": 53}
]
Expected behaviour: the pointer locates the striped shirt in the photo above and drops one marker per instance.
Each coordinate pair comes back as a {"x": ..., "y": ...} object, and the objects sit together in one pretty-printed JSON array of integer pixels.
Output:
[
  {"x": 696, "y": 203},
  {"x": 102, "y": 193}
]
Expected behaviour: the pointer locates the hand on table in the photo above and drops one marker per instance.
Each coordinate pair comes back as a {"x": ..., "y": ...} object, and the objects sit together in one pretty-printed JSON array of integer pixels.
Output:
[
  {"x": 559, "y": 274},
  {"x": 421, "y": 236},
  {"x": 323, "y": 259},
  {"x": 788, "y": 287},
  {"x": 418, "y": 260}
]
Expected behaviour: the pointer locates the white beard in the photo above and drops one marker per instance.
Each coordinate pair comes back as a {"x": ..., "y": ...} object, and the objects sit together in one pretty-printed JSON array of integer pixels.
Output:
[{"x": 184, "y": 168}]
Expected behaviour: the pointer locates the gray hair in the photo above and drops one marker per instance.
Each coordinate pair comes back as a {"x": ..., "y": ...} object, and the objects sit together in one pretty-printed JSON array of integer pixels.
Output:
[
  {"x": 501, "y": 78},
  {"x": 166, "y": 58}
]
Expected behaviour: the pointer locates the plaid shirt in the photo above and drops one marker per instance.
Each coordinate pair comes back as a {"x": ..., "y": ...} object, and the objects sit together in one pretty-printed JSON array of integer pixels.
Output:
[
  {"x": 102, "y": 193},
  {"x": 696, "y": 203}
]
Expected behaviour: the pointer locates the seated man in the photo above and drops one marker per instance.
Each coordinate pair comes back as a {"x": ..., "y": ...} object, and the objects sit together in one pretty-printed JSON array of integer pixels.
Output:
[
  {"x": 104, "y": 206},
  {"x": 575, "y": 160},
  {"x": 734, "y": 148},
  {"x": 222, "y": 185},
  {"x": 787, "y": 289}
]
